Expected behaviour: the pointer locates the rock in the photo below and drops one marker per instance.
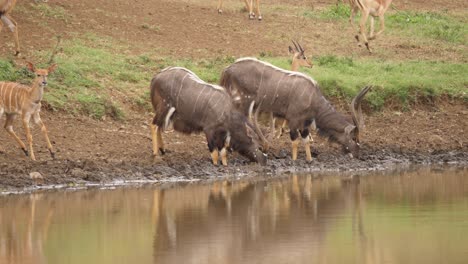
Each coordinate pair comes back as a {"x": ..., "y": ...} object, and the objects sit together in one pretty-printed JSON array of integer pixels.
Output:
[{"x": 35, "y": 175}]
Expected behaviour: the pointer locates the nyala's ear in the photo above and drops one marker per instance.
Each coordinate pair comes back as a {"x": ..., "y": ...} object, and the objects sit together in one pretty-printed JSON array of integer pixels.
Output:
[
  {"x": 52, "y": 68},
  {"x": 291, "y": 50},
  {"x": 31, "y": 67}
]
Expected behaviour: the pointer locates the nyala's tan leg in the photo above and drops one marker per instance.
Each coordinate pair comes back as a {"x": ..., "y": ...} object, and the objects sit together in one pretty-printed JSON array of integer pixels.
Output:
[
  {"x": 29, "y": 137},
  {"x": 295, "y": 144},
  {"x": 9, "y": 129},
  {"x": 160, "y": 140},
  {"x": 38, "y": 120},
  {"x": 156, "y": 137},
  {"x": 215, "y": 157},
  {"x": 307, "y": 141},
  {"x": 224, "y": 156}
]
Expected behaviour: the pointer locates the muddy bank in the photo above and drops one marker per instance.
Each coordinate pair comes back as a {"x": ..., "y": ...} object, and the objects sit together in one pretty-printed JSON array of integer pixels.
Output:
[
  {"x": 16, "y": 176},
  {"x": 90, "y": 151}
]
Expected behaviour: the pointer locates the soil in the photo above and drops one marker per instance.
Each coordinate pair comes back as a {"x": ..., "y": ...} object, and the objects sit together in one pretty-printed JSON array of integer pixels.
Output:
[{"x": 91, "y": 151}]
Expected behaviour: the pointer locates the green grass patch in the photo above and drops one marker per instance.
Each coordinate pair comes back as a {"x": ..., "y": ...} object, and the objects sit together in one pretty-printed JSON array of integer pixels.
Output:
[
  {"x": 429, "y": 24},
  {"x": 95, "y": 79},
  {"x": 432, "y": 25},
  {"x": 51, "y": 11},
  {"x": 401, "y": 83}
]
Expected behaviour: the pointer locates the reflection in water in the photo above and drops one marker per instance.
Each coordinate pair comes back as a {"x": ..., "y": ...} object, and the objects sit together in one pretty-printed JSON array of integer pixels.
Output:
[{"x": 412, "y": 217}]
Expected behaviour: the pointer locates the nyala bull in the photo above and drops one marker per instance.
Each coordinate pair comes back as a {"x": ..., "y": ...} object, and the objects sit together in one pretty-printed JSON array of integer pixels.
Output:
[
  {"x": 294, "y": 96},
  {"x": 180, "y": 97}
]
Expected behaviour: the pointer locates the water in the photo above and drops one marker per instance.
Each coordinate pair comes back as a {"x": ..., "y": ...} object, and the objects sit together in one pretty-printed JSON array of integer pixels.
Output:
[{"x": 414, "y": 217}]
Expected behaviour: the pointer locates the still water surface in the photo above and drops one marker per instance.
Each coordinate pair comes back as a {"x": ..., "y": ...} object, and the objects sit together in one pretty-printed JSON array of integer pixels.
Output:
[{"x": 412, "y": 217}]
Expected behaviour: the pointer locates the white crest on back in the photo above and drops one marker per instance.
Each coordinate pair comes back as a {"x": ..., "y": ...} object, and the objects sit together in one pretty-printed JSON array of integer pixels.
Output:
[
  {"x": 194, "y": 77},
  {"x": 290, "y": 73}
]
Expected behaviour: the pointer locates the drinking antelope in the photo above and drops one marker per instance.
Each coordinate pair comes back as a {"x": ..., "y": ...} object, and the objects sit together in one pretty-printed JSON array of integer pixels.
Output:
[
  {"x": 5, "y": 8},
  {"x": 374, "y": 8},
  {"x": 295, "y": 97},
  {"x": 192, "y": 105},
  {"x": 249, "y": 7},
  {"x": 25, "y": 100}
]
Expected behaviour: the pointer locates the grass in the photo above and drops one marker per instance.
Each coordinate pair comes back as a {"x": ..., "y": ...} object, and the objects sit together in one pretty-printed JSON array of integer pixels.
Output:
[
  {"x": 431, "y": 25},
  {"x": 401, "y": 83},
  {"x": 95, "y": 79}
]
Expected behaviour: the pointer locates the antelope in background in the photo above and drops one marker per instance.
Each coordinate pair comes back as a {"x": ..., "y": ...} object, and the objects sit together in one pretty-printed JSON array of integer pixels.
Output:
[
  {"x": 248, "y": 6},
  {"x": 5, "y": 8},
  {"x": 25, "y": 100},
  {"x": 295, "y": 97},
  {"x": 299, "y": 59},
  {"x": 374, "y": 8},
  {"x": 180, "y": 96}
]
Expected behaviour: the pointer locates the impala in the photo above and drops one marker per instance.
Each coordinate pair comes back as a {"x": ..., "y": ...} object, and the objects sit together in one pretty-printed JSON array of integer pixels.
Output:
[
  {"x": 5, "y": 8},
  {"x": 374, "y": 8},
  {"x": 249, "y": 7},
  {"x": 25, "y": 100}
]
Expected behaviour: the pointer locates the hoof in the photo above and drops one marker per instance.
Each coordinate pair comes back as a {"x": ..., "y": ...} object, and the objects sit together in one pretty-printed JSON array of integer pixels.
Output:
[
  {"x": 220, "y": 11},
  {"x": 17, "y": 53},
  {"x": 357, "y": 38},
  {"x": 52, "y": 154},
  {"x": 162, "y": 151},
  {"x": 252, "y": 16},
  {"x": 368, "y": 48},
  {"x": 25, "y": 152}
]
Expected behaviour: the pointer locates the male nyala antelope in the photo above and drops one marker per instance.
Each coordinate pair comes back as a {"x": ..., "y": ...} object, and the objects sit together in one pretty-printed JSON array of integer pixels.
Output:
[
  {"x": 5, "y": 8},
  {"x": 295, "y": 97},
  {"x": 374, "y": 8},
  {"x": 192, "y": 105},
  {"x": 25, "y": 100},
  {"x": 248, "y": 6}
]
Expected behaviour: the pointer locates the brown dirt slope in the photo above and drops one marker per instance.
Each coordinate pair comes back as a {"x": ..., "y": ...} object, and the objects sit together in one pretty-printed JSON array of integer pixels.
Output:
[{"x": 95, "y": 151}]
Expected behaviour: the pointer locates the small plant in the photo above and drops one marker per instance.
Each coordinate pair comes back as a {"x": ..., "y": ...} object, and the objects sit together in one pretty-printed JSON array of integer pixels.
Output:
[{"x": 154, "y": 28}]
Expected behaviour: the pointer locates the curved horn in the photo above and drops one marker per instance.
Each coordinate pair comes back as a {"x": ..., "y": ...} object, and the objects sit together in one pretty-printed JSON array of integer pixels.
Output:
[
  {"x": 295, "y": 45},
  {"x": 258, "y": 130},
  {"x": 300, "y": 47},
  {"x": 356, "y": 111}
]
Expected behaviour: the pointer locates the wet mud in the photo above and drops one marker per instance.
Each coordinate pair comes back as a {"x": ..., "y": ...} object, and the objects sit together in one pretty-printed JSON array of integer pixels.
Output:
[{"x": 99, "y": 152}]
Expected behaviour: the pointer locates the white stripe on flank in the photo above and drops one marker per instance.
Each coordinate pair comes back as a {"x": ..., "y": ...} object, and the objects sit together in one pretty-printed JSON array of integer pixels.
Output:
[
  {"x": 276, "y": 92},
  {"x": 16, "y": 99},
  {"x": 198, "y": 97},
  {"x": 9, "y": 99},
  {"x": 208, "y": 105},
  {"x": 180, "y": 88},
  {"x": 168, "y": 117},
  {"x": 291, "y": 73},
  {"x": 194, "y": 77}
]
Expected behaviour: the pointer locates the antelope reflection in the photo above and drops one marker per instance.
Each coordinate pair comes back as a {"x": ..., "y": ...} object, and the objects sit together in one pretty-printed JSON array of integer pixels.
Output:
[
  {"x": 228, "y": 221},
  {"x": 23, "y": 242}
]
